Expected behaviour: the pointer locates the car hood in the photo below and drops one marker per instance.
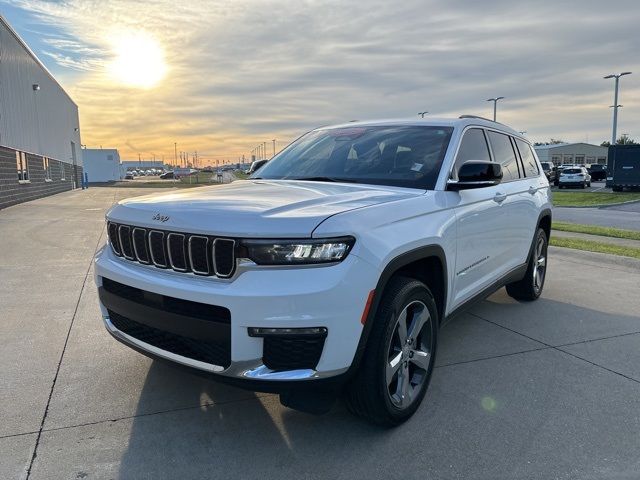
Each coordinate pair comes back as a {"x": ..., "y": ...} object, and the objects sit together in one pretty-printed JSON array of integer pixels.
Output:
[{"x": 253, "y": 208}]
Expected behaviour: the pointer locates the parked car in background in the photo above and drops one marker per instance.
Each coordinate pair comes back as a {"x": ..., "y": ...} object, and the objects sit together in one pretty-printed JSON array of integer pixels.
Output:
[
  {"x": 550, "y": 171},
  {"x": 167, "y": 176},
  {"x": 334, "y": 267},
  {"x": 597, "y": 171},
  {"x": 129, "y": 176},
  {"x": 575, "y": 177}
]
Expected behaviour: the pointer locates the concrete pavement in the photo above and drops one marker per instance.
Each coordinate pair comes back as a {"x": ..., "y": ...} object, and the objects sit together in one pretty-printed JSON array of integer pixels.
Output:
[{"x": 549, "y": 389}]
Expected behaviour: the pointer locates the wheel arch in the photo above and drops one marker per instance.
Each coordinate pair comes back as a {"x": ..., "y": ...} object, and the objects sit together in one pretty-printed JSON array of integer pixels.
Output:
[{"x": 427, "y": 264}]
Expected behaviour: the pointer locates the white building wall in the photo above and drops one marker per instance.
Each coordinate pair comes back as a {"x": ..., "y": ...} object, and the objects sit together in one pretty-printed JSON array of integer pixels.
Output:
[
  {"x": 42, "y": 122},
  {"x": 572, "y": 153},
  {"x": 102, "y": 164}
]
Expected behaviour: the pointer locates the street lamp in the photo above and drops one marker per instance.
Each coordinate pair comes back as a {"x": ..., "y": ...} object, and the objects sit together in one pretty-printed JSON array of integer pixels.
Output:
[
  {"x": 495, "y": 105},
  {"x": 422, "y": 114},
  {"x": 274, "y": 147},
  {"x": 615, "y": 104}
]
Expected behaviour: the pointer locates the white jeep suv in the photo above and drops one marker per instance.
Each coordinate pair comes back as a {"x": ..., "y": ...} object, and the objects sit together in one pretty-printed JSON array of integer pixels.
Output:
[{"x": 332, "y": 269}]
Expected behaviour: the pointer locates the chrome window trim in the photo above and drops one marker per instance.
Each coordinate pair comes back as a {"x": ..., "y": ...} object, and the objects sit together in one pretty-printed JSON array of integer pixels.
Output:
[
  {"x": 135, "y": 248},
  {"x": 120, "y": 228},
  {"x": 206, "y": 250},
  {"x": 153, "y": 258},
  {"x": 213, "y": 257},
  {"x": 184, "y": 253}
]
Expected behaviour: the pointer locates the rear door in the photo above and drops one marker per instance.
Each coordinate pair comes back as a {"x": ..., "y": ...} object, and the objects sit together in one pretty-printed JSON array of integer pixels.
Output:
[{"x": 515, "y": 213}]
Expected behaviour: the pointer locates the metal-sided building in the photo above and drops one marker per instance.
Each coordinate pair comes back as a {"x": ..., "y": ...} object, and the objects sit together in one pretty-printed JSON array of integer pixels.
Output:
[
  {"x": 102, "y": 164},
  {"x": 39, "y": 130},
  {"x": 572, "y": 153}
]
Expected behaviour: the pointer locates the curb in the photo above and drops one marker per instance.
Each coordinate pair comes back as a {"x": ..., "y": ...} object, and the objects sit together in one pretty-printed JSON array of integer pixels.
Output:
[{"x": 599, "y": 205}]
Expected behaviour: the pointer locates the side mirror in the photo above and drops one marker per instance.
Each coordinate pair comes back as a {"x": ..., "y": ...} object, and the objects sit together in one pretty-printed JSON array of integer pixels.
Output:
[{"x": 476, "y": 174}]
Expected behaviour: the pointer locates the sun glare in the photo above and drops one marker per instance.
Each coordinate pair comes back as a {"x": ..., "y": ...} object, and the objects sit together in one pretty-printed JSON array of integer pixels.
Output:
[{"x": 139, "y": 60}]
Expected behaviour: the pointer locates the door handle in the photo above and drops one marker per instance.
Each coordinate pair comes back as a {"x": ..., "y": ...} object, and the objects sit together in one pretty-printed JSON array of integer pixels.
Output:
[
  {"x": 532, "y": 190},
  {"x": 499, "y": 197}
]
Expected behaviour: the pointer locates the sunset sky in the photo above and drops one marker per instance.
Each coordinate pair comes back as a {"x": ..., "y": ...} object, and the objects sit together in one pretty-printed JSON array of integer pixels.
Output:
[{"x": 220, "y": 77}]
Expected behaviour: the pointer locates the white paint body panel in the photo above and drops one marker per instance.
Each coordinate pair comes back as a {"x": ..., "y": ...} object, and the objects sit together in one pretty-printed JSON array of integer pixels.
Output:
[{"x": 386, "y": 222}]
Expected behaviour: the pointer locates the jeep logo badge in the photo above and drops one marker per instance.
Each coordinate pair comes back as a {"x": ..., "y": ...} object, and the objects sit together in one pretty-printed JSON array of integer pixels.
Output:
[{"x": 160, "y": 218}]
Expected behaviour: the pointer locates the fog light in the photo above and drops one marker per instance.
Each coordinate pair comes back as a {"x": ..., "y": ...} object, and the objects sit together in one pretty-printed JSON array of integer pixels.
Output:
[{"x": 266, "y": 332}]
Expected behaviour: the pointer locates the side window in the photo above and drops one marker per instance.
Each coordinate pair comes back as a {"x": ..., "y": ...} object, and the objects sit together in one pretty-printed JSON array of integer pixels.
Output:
[
  {"x": 503, "y": 154},
  {"x": 472, "y": 147},
  {"x": 47, "y": 169},
  {"x": 22, "y": 167},
  {"x": 528, "y": 159}
]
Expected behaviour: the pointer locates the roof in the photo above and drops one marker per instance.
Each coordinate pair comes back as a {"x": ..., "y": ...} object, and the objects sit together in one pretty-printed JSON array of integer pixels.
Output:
[
  {"x": 431, "y": 121},
  {"x": 555, "y": 145},
  {"x": 33, "y": 56}
]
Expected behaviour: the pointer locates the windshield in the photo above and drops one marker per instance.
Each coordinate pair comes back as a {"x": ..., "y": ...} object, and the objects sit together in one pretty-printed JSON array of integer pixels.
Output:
[
  {"x": 403, "y": 156},
  {"x": 571, "y": 170}
]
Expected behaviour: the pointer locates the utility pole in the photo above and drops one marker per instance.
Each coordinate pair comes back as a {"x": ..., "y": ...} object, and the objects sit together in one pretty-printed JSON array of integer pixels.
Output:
[
  {"x": 139, "y": 162},
  {"x": 274, "y": 147},
  {"x": 615, "y": 104},
  {"x": 264, "y": 146},
  {"x": 495, "y": 105},
  {"x": 175, "y": 152}
]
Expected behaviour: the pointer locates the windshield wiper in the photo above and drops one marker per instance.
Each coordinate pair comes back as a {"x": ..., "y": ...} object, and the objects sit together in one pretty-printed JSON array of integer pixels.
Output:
[{"x": 323, "y": 179}]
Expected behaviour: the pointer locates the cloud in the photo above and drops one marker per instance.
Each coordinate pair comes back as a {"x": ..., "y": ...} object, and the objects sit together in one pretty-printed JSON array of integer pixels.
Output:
[{"x": 246, "y": 71}]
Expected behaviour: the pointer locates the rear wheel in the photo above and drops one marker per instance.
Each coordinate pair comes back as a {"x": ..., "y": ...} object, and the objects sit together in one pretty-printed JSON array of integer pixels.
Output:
[
  {"x": 398, "y": 361},
  {"x": 530, "y": 287},
  {"x": 584, "y": 185}
]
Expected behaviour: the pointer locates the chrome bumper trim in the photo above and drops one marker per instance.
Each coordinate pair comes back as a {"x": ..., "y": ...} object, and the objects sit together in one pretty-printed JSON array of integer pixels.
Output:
[{"x": 251, "y": 369}]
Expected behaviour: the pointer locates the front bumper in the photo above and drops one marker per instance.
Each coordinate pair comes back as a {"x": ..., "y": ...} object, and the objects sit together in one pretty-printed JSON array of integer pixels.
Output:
[{"x": 332, "y": 297}]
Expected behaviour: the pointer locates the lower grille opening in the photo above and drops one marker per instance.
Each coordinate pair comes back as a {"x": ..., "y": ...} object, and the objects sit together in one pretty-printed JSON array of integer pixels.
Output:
[
  {"x": 208, "y": 352},
  {"x": 292, "y": 353}
]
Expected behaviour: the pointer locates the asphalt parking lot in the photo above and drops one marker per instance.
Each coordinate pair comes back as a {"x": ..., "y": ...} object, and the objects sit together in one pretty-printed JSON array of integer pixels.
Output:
[{"x": 544, "y": 390}]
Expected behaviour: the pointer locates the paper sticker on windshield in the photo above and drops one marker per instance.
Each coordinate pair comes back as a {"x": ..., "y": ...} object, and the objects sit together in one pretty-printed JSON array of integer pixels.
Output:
[{"x": 417, "y": 167}]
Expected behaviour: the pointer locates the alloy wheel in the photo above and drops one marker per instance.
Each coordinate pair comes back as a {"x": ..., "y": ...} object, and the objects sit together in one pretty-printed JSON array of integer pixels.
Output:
[
  {"x": 409, "y": 354},
  {"x": 540, "y": 263}
]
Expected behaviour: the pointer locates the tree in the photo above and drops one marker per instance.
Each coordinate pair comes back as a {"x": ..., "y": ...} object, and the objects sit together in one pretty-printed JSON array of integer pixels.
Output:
[
  {"x": 552, "y": 141},
  {"x": 623, "y": 140}
]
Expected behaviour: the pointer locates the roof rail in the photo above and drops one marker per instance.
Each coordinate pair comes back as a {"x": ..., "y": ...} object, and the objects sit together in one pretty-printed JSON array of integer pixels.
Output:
[
  {"x": 483, "y": 118},
  {"x": 477, "y": 116}
]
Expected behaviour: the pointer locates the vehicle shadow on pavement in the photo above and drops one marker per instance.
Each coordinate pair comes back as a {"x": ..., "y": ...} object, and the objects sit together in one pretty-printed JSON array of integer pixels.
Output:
[{"x": 500, "y": 404}]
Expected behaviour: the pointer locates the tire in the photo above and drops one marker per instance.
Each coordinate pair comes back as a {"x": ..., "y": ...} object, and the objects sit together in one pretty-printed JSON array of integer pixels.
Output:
[
  {"x": 389, "y": 363},
  {"x": 589, "y": 184},
  {"x": 530, "y": 287},
  {"x": 584, "y": 185}
]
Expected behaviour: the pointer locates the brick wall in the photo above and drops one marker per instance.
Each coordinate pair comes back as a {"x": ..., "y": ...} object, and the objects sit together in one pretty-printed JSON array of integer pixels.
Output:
[{"x": 13, "y": 192}]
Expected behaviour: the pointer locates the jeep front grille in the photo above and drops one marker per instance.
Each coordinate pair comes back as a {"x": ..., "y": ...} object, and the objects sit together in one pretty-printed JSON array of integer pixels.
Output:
[{"x": 182, "y": 252}]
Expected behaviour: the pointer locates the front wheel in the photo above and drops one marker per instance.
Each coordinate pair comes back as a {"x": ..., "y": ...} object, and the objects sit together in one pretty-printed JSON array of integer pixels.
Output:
[
  {"x": 396, "y": 367},
  {"x": 530, "y": 287}
]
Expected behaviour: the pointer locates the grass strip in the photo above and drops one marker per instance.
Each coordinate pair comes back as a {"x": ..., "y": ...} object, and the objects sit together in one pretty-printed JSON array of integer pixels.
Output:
[
  {"x": 599, "y": 247},
  {"x": 596, "y": 230},
  {"x": 585, "y": 199}
]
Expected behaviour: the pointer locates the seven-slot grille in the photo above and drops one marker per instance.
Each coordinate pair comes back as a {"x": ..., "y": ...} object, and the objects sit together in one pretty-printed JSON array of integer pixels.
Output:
[{"x": 182, "y": 252}]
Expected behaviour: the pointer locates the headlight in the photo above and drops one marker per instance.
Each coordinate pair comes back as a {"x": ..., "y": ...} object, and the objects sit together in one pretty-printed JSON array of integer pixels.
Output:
[{"x": 297, "y": 252}]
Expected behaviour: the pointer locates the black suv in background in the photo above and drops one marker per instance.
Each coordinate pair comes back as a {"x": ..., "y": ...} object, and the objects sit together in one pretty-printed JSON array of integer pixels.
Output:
[
  {"x": 550, "y": 171},
  {"x": 598, "y": 172}
]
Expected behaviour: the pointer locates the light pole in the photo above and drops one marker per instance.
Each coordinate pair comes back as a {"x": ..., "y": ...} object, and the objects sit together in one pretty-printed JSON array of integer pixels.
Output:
[
  {"x": 422, "y": 114},
  {"x": 274, "y": 147},
  {"x": 615, "y": 104},
  {"x": 495, "y": 105},
  {"x": 175, "y": 152}
]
